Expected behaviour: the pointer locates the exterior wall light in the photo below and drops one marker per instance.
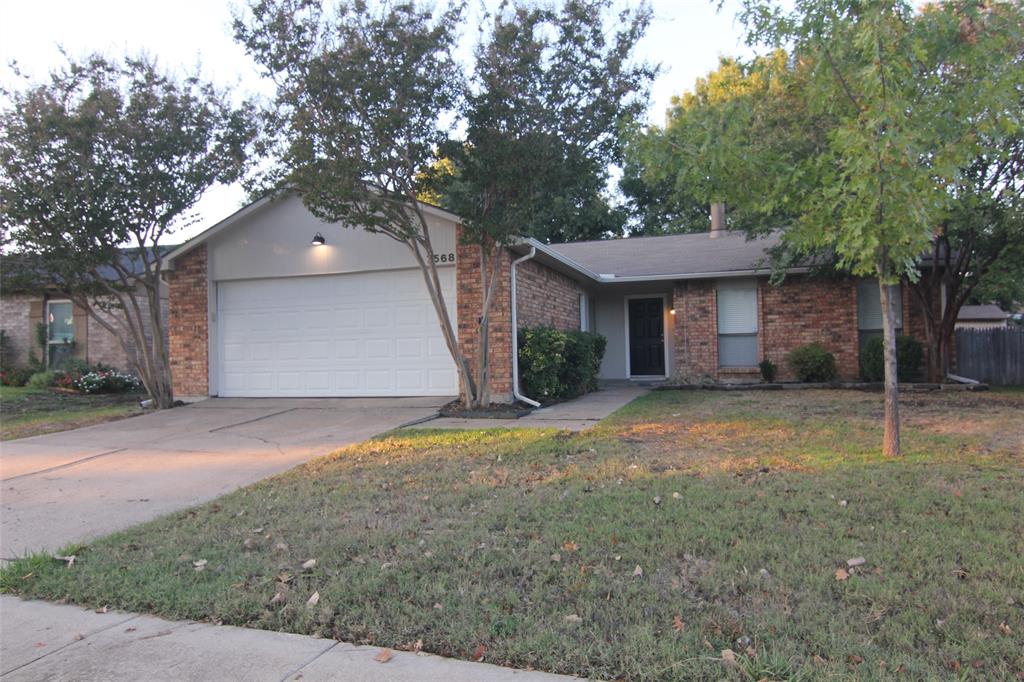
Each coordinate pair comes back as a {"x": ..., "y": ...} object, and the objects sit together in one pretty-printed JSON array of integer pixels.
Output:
[
  {"x": 672, "y": 312},
  {"x": 318, "y": 240}
]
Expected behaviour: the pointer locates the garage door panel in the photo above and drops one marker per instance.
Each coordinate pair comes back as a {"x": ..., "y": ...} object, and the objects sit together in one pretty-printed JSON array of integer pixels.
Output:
[{"x": 371, "y": 334}]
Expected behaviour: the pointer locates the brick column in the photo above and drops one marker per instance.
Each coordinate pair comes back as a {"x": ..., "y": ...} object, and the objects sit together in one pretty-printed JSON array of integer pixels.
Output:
[
  {"x": 469, "y": 306},
  {"x": 188, "y": 324}
]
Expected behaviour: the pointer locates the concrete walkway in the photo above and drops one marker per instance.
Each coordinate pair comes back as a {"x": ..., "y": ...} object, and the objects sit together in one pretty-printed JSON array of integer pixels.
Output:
[
  {"x": 575, "y": 415},
  {"x": 76, "y": 485},
  {"x": 42, "y": 641}
]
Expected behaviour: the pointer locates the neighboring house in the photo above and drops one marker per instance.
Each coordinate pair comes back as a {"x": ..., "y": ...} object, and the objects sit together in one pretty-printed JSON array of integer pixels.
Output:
[
  {"x": 40, "y": 322},
  {"x": 257, "y": 309},
  {"x": 982, "y": 317}
]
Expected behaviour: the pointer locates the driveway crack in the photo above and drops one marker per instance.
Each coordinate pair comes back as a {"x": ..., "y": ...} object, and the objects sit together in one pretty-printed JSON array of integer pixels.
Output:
[{"x": 65, "y": 465}]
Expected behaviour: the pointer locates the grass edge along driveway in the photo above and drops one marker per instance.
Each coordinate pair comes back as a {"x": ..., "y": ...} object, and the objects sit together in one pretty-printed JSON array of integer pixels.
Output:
[
  {"x": 29, "y": 412},
  {"x": 688, "y": 530}
]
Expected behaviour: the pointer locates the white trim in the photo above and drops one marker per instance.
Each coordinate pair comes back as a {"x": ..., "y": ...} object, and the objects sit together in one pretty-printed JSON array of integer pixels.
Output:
[
  {"x": 584, "y": 312},
  {"x": 664, "y": 332}
]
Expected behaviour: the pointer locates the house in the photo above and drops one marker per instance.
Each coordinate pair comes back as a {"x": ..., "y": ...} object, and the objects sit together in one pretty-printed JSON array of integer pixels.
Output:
[
  {"x": 258, "y": 307},
  {"x": 982, "y": 317},
  {"x": 40, "y": 322}
]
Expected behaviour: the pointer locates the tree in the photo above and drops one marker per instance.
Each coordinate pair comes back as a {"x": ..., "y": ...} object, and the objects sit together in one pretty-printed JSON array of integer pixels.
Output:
[
  {"x": 901, "y": 131},
  {"x": 100, "y": 166},
  {"x": 551, "y": 91},
  {"x": 364, "y": 100},
  {"x": 673, "y": 172}
]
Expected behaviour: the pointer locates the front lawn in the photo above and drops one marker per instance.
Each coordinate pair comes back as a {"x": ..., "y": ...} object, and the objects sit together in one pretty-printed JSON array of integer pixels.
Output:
[
  {"x": 688, "y": 524},
  {"x": 30, "y": 412}
]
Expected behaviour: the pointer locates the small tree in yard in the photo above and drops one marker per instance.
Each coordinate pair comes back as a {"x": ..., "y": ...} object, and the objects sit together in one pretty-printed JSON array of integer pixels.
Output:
[
  {"x": 108, "y": 155},
  {"x": 551, "y": 91},
  {"x": 902, "y": 130},
  {"x": 362, "y": 99}
]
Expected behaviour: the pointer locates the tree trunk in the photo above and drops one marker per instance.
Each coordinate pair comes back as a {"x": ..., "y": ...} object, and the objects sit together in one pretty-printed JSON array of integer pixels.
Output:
[{"x": 891, "y": 437}]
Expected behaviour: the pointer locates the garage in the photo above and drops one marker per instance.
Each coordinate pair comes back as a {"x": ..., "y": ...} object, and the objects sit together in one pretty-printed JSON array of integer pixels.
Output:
[
  {"x": 274, "y": 303},
  {"x": 358, "y": 334}
]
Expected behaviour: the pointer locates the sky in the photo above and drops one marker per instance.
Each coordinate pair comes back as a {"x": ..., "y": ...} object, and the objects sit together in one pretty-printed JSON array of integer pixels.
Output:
[{"x": 686, "y": 38}]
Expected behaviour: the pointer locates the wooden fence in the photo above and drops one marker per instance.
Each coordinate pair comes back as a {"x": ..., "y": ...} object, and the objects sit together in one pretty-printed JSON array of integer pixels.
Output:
[{"x": 995, "y": 356}]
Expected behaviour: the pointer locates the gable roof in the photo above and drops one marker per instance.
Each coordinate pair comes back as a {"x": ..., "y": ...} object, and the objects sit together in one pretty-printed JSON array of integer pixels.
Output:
[{"x": 23, "y": 273}]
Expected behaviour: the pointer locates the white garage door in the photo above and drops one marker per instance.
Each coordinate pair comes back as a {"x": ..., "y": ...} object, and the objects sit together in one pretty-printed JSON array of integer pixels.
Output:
[{"x": 359, "y": 334}]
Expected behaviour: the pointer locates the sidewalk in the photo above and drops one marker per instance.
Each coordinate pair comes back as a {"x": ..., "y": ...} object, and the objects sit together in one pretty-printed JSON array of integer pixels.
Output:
[
  {"x": 579, "y": 414},
  {"x": 43, "y": 641}
]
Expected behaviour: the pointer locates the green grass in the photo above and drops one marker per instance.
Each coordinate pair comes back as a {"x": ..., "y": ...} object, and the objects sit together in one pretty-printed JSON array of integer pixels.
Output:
[
  {"x": 30, "y": 412},
  {"x": 526, "y": 543}
]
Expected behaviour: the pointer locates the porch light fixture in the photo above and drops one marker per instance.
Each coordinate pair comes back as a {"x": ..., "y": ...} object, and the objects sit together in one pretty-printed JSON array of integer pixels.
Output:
[
  {"x": 672, "y": 312},
  {"x": 318, "y": 240}
]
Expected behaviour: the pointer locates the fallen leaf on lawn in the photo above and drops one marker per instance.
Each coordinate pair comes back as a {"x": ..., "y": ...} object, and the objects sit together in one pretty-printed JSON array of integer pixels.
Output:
[
  {"x": 676, "y": 496},
  {"x": 618, "y": 557},
  {"x": 418, "y": 646},
  {"x": 313, "y": 599},
  {"x": 199, "y": 564},
  {"x": 638, "y": 572},
  {"x": 281, "y": 547},
  {"x": 657, "y": 499},
  {"x": 677, "y": 623},
  {"x": 855, "y": 659},
  {"x": 1005, "y": 629},
  {"x": 841, "y": 574},
  {"x": 478, "y": 653},
  {"x": 707, "y": 645},
  {"x": 102, "y": 609},
  {"x": 384, "y": 655},
  {"x": 278, "y": 597},
  {"x": 257, "y": 530},
  {"x": 309, "y": 564},
  {"x": 573, "y": 618},
  {"x": 856, "y": 561},
  {"x": 570, "y": 546},
  {"x": 728, "y": 656},
  {"x": 69, "y": 560},
  {"x": 438, "y": 606},
  {"x": 556, "y": 557}
]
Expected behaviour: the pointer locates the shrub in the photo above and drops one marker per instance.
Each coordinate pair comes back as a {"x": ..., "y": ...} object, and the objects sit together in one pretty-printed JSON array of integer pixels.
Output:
[
  {"x": 44, "y": 379},
  {"x": 812, "y": 363},
  {"x": 768, "y": 370},
  {"x": 554, "y": 364},
  {"x": 109, "y": 381},
  {"x": 16, "y": 376},
  {"x": 909, "y": 353}
]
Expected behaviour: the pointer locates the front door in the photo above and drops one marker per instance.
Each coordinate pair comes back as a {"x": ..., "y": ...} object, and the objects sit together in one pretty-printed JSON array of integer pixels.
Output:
[{"x": 646, "y": 337}]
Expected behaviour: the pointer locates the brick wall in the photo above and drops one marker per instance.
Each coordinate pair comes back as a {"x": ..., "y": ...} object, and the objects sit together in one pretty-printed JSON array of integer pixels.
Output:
[
  {"x": 469, "y": 303},
  {"x": 545, "y": 297},
  {"x": 800, "y": 311},
  {"x": 19, "y": 331},
  {"x": 188, "y": 324}
]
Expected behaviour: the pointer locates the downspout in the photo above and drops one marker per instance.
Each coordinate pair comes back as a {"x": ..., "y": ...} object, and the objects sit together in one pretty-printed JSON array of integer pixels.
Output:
[{"x": 515, "y": 332}]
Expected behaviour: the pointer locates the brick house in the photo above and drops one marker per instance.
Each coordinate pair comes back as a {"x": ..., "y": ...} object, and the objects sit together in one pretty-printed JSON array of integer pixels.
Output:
[
  {"x": 41, "y": 322},
  {"x": 258, "y": 307}
]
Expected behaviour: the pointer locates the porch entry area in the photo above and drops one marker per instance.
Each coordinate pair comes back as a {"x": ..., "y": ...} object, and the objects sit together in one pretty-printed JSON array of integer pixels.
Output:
[{"x": 645, "y": 336}]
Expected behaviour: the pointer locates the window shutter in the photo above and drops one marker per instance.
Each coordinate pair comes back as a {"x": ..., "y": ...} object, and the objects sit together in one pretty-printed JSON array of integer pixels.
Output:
[{"x": 737, "y": 307}]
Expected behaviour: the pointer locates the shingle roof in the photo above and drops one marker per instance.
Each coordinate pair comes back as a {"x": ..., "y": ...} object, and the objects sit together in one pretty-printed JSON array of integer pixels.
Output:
[
  {"x": 689, "y": 254},
  {"x": 982, "y": 312}
]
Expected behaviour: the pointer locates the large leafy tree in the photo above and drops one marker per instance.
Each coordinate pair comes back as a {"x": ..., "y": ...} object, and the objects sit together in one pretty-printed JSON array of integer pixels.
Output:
[
  {"x": 365, "y": 97},
  {"x": 900, "y": 132},
  {"x": 550, "y": 92},
  {"x": 100, "y": 166}
]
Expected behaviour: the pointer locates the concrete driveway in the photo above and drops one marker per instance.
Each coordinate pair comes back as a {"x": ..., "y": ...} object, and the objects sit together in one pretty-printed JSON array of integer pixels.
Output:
[{"x": 72, "y": 486}]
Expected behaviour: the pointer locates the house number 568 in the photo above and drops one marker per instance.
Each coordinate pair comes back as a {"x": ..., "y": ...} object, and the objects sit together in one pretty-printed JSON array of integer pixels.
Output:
[{"x": 444, "y": 257}]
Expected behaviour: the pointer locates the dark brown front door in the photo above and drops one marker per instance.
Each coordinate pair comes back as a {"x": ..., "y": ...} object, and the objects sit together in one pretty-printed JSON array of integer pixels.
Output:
[{"x": 646, "y": 337}]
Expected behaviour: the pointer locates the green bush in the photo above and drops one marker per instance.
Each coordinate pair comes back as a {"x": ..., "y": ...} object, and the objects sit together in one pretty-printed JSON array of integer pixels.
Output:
[
  {"x": 812, "y": 363},
  {"x": 16, "y": 376},
  {"x": 44, "y": 379},
  {"x": 768, "y": 370},
  {"x": 110, "y": 381},
  {"x": 909, "y": 353},
  {"x": 555, "y": 364}
]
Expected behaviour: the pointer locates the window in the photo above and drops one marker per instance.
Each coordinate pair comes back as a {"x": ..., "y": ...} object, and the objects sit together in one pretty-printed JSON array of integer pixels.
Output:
[
  {"x": 737, "y": 323},
  {"x": 60, "y": 332},
  {"x": 584, "y": 313},
  {"x": 869, "y": 309}
]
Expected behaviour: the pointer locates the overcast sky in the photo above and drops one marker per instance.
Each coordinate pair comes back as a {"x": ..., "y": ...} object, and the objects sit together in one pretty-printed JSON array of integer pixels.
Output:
[{"x": 686, "y": 38}]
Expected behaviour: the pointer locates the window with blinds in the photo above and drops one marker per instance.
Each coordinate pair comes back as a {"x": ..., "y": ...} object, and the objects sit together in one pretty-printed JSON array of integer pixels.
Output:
[
  {"x": 737, "y": 323},
  {"x": 869, "y": 309}
]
